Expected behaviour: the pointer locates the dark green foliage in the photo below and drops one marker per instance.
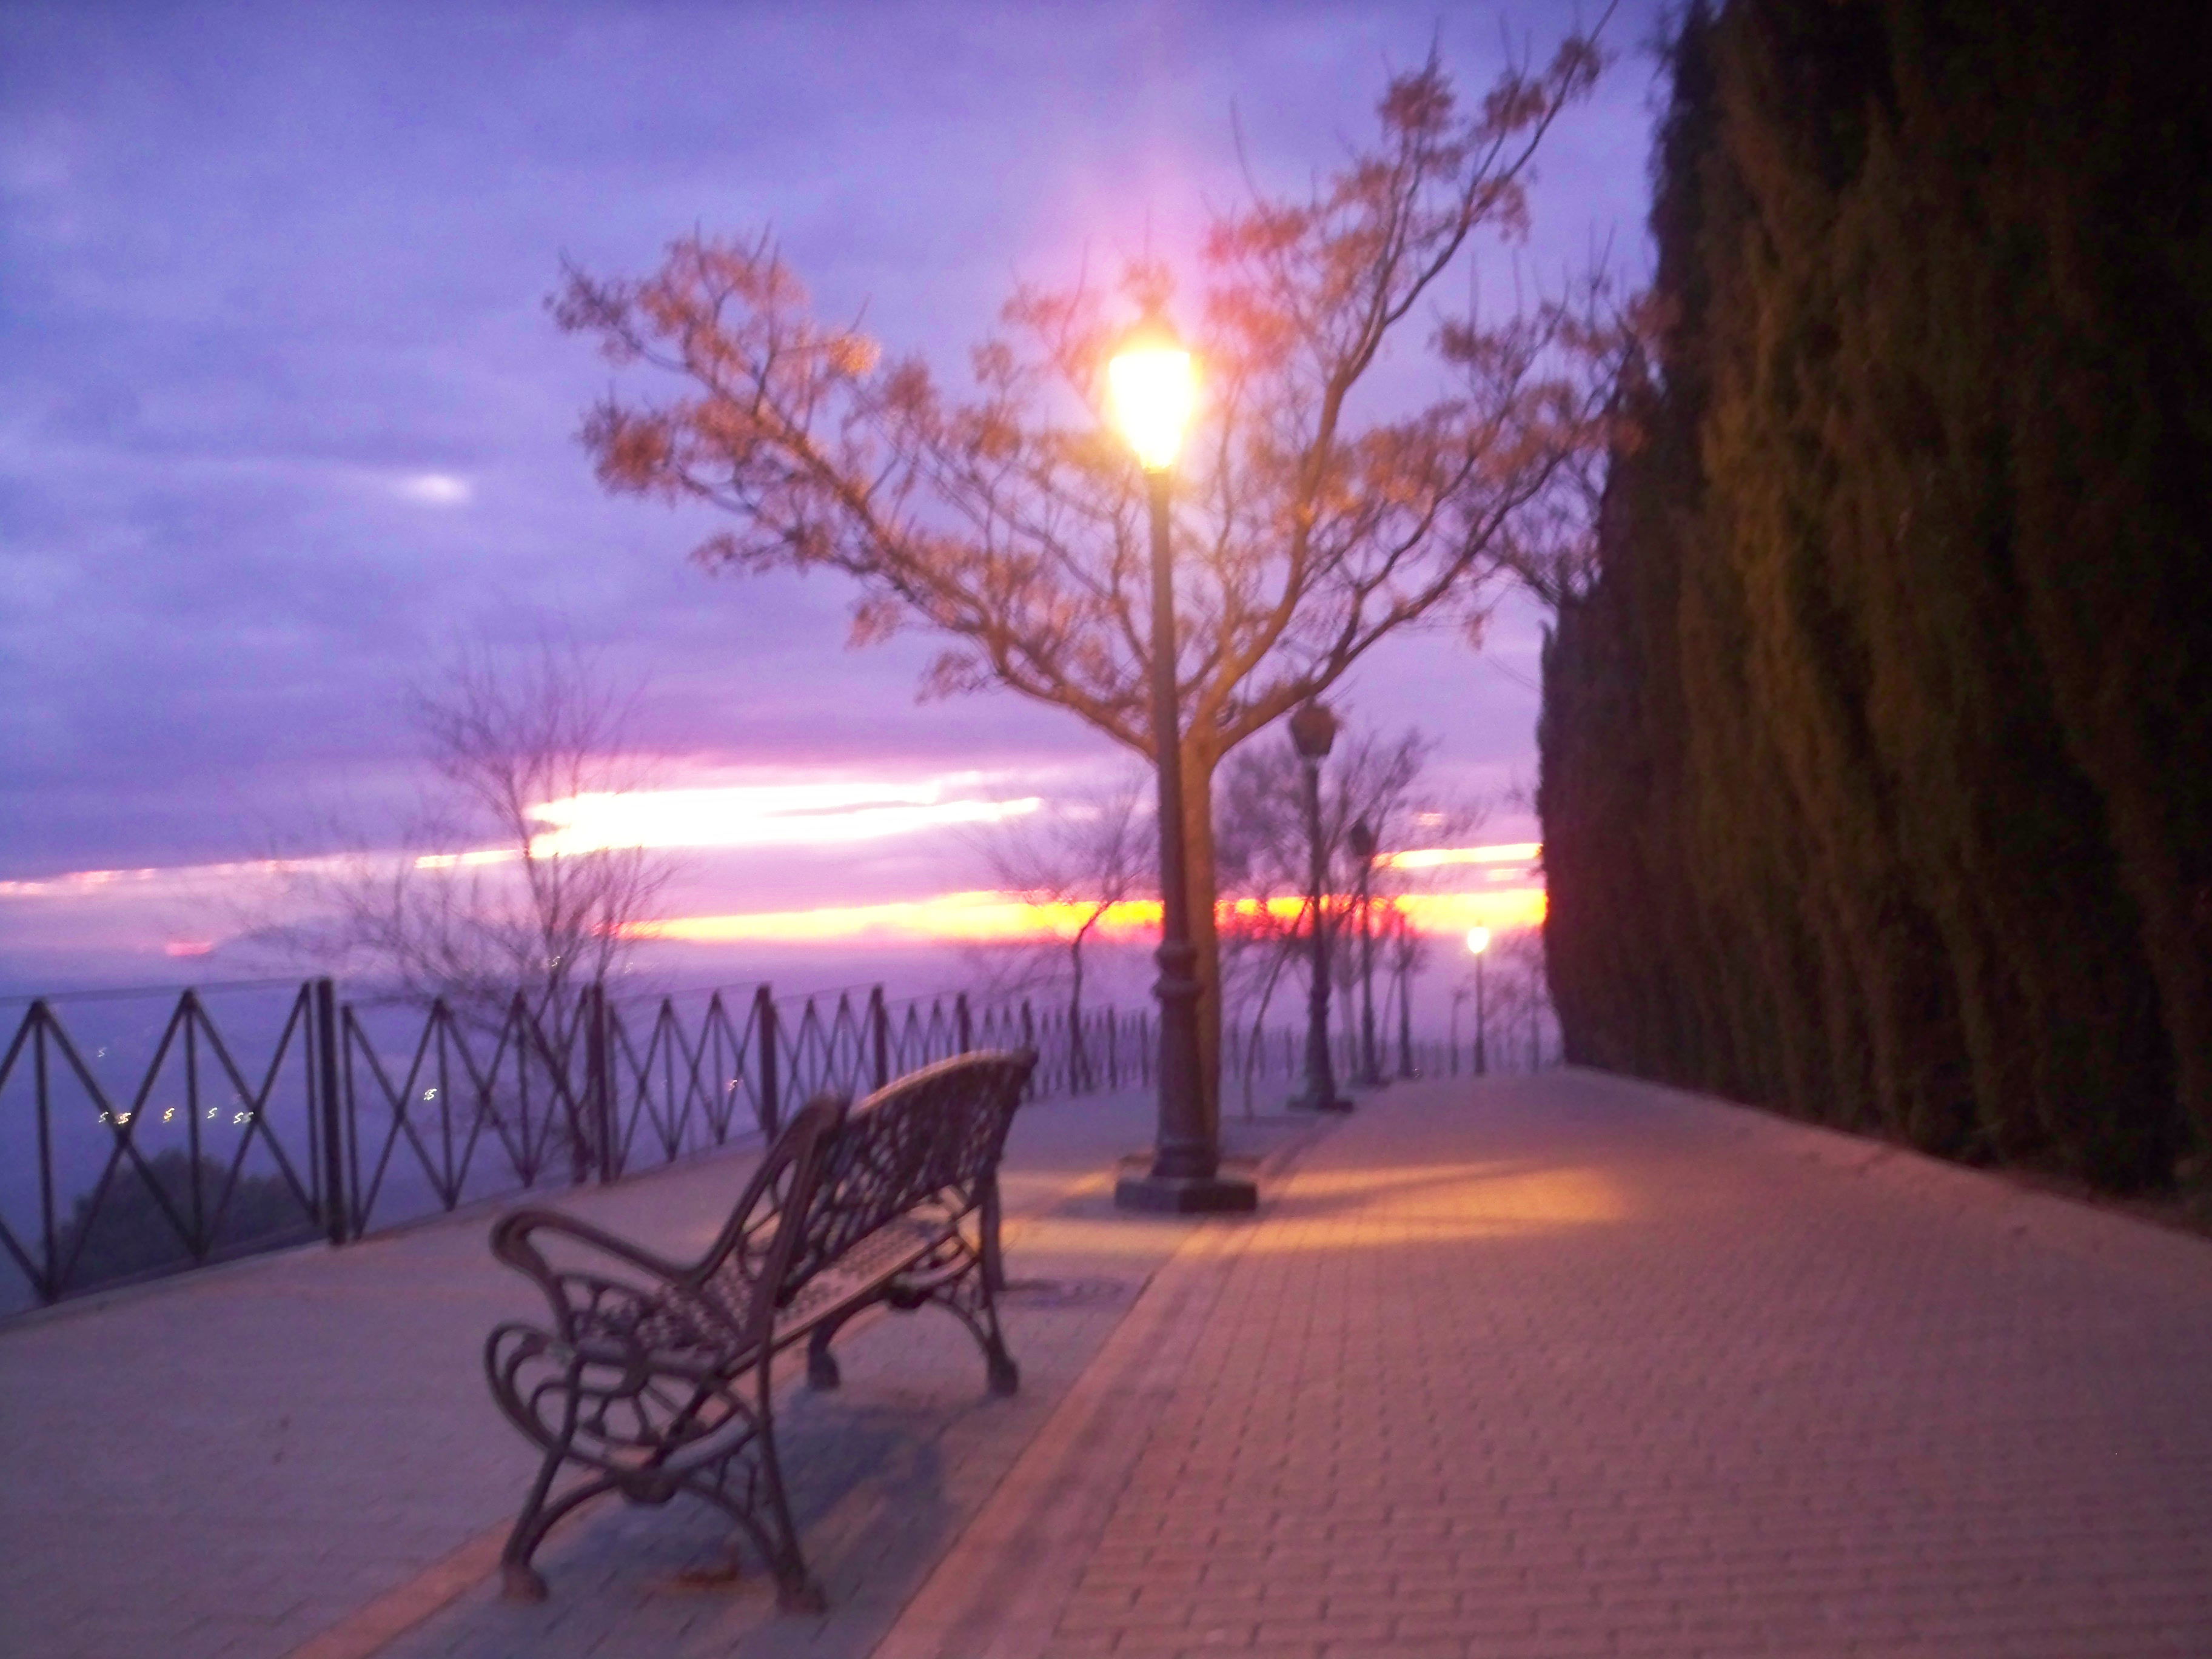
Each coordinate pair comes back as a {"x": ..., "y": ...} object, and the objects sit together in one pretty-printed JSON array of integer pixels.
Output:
[
  {"x": 1877, "y": 759},
  {"x": 130, "y": 1232}
]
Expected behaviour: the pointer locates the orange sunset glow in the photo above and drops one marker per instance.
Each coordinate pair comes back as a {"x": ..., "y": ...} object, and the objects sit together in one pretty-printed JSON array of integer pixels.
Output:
[
  {"x": 1499, "y": 886},
  {"x": 988, "y": 917}
]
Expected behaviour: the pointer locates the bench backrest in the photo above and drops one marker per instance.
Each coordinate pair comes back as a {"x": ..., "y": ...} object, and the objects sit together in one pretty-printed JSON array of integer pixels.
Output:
[
  {"x": 738, "y": 1275},
  {"x": 931, "y": 1140}
]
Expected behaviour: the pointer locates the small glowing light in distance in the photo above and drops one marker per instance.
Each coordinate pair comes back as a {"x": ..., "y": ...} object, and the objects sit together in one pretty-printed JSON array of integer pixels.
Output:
[
  {"x": 1478, "y": 940},
  {"x": 1154, "y": 390}
]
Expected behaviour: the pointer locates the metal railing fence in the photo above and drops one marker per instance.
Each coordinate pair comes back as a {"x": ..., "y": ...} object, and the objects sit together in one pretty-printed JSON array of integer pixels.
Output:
[{"x": 144, "y": 1133}]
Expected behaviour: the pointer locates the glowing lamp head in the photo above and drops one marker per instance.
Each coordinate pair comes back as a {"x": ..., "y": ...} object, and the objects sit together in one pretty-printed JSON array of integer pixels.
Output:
[
  {"x": 1478, "y": 940},
  {"x": 1154, "y": 388}
]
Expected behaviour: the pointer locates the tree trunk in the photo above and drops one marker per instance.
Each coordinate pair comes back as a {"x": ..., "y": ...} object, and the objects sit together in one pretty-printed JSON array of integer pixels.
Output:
[{"x": 1198, "y": 767}]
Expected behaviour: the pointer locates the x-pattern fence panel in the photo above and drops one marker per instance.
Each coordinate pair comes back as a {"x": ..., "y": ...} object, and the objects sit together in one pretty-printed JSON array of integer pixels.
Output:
[
  {"x": 925, "y": 1029},
  {"x": 139, "y": 1135},
  {"x": 682, "y": 1086},
  {"x": 483, "y": 1102},
  {"x": 146, "y": 1137}
]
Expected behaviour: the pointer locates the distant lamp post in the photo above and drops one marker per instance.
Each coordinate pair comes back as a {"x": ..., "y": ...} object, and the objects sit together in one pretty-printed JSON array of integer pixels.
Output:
[
  {"x": 1478, "y": 941},
  {"x": 1154, "y": 388},
  {"x": 1460, "y": 994},
  {"x": 1362, "y": 838},
  {"x": 1401, "y": 964},
  {"x": 1313, "y": 729}
]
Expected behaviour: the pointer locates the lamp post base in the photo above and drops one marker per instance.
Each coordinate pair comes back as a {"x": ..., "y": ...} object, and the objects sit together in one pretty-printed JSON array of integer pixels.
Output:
[
  {"x": 1306, "y": 1102},
  {"x": 1161, "y": 1194}
]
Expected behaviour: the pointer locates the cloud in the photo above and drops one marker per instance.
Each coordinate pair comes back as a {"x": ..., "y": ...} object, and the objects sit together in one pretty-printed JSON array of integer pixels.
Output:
[
  {"x": 766, "y": 815},
  {"x": 435, "y": 489}
]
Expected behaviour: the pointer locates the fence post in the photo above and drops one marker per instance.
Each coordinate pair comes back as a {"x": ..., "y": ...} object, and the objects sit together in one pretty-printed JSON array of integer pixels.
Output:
[
  {"x": 50, "y": 1283},
  {"x": 329, "y": 1110},
  {"x": 966, "y": 1023},
  {"x": 770, "y": 1109},
  {"x": 879, "y": 1030},
  {"x": 598, "y": 1082}
]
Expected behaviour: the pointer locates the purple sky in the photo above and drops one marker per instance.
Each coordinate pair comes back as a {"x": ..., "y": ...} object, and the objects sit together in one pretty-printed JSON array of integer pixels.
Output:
[{"x": 281, "y": 414}]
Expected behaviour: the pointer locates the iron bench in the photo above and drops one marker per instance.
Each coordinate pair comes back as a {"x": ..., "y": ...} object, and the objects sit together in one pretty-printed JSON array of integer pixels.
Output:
[{"x": 654, "y": 1375}]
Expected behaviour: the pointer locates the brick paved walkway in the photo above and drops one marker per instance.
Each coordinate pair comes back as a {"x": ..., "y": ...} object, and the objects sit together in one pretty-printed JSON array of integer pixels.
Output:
[
  {"x": 1563, "y": 1366},
  {"x": 1571, "y": 1367}
]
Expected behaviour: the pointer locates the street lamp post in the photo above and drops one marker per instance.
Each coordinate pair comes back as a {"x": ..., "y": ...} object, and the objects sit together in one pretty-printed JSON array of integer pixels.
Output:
[
  {"x": 1313, "y": 729},
  {"x": 1362, "y": 837},
  {"x": 1401, "y": 961},
  {"x": 1460, "y": 994},
  {"x": 1478, "y": 941},
  {"x": 1153, "y": 390}
]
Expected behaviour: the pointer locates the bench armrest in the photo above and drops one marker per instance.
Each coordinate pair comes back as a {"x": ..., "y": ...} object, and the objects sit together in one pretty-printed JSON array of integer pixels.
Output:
[{"x": 512, "y": 1242}]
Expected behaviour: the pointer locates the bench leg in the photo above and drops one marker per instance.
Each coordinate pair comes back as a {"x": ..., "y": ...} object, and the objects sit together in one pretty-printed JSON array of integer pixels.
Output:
[
  {"x": 796, "y": 1589},
  {"x": 1004, "y": 1375},
  {"x": 520, "y": 1582},
  {"x": 822, "y": 1371},
  {"x": 517, "y": 1580},
  {"x": 968, "y": 1299},
  {"x": 988, "y": 1223},
  {"x": 988, "y": 1279},
  {"x": 797, "y": 1592}
]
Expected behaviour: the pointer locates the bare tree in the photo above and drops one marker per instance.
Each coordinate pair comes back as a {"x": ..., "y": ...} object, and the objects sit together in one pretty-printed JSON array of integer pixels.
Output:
[
  {"x": 1528, "y": 995},
  {"x": 1405, "y": 952},
  {"x": 488, "y": 896},
  {"x": 1074, "y": 864},
  {"x": 1013, "y": 524},
  {"x": 1264, "y": 868}
]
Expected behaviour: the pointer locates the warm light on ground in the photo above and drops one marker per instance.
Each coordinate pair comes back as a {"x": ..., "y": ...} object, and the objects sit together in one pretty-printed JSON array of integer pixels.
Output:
[
  {"x": 1427, "y": 1202},
  {"x": 1341, "y": 1210}
]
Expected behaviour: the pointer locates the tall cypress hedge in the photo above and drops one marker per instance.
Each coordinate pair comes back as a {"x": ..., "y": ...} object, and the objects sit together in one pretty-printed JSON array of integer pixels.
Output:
[{"x": 1877, "y": 760}]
